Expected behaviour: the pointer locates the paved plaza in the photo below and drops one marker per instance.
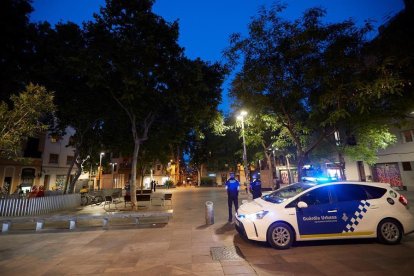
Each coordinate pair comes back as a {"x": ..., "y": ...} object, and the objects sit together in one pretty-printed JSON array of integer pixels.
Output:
[{"x": 183, "y": 247}]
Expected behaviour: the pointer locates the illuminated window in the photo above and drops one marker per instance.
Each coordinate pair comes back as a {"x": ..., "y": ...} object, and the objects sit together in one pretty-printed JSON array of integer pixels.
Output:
[
  {"x": 407, "y": 136},
  {"x": 54, "y": 138},
  {"x": 53, "y": 158}
]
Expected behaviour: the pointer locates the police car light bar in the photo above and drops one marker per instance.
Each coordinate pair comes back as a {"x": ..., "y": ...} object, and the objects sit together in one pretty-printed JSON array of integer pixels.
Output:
[{"x": 318, "y": 179}]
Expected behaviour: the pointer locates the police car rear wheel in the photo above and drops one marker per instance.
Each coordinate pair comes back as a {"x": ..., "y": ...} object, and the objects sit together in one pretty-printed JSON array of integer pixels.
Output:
[
  {"x": 389, "y": 231},
  {"x": 280, "y": 236}
]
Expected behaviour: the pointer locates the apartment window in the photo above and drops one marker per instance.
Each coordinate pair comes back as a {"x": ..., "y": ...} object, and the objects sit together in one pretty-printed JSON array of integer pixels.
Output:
[
  {"x": 406, "y": 166},
  {"x": 407, "y": 136},
  {"x": 69, "y": 160},
  {"x": 54, "y": 138},
  {"x": 53, "y": 158}
]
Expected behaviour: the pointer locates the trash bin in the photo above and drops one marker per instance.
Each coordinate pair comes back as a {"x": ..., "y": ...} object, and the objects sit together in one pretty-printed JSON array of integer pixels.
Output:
[{"x": 209, "y": 212}]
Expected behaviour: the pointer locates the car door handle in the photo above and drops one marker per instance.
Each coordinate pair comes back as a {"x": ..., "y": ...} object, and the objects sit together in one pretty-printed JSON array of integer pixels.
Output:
[
  {"x": 332, "y": 211},
  {"x": 373, "y": 206}
]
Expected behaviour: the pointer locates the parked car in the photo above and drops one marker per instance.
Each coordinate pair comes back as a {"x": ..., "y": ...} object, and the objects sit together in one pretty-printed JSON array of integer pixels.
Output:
[{"x": 336, "y": 210}]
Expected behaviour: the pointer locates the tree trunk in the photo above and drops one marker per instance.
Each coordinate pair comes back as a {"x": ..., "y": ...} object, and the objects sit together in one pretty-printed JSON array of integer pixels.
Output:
[
  {"x": 65, "y": 188},
  {"x": 137, "y": 144},
  {"x": 199, "y": 176},
  {"x": 269, "y": 164},
  {"x": 300, "y": 163},
  {"x": 142, "y": 179},
  {"x": 77, "y": 175}
]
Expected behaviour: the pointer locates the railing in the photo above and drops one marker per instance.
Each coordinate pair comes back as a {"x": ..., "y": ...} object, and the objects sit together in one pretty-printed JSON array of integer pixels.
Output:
[{"x": 17, "y": 207}]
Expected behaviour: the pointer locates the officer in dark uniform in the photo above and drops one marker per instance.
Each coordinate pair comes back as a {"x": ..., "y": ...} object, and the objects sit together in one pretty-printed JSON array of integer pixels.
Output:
[
  {"x": 232, "y": 186},
  {"x": 256, "y": 186}
]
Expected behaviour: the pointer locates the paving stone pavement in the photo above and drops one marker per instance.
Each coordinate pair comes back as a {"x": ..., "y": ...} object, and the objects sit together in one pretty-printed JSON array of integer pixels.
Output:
[{"x": 182, "y": 247}]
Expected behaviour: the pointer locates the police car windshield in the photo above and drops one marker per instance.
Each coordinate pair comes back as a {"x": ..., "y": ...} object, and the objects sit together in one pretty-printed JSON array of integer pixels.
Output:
[{"x": 287, "y": 192}]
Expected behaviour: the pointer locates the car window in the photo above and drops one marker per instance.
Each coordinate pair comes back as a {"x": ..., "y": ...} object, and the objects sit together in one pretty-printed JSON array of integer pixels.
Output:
[
  {"x": 374, "y": 192},
  {"x": 349, "y": 192},
  {"x": 316, "y": 197},
  {"x": 287, "y": 192}
]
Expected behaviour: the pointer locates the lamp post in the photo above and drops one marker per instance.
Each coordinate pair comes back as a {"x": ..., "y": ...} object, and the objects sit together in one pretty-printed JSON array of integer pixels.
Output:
[
  {"x": 100, "y": 170},
  {"x": 241, "y": 118}
]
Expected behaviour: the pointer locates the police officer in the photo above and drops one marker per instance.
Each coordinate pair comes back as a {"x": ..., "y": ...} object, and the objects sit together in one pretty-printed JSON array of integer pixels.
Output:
[
  {"x": 256, "y": 186},
  {"x": 232, "y": 186}
]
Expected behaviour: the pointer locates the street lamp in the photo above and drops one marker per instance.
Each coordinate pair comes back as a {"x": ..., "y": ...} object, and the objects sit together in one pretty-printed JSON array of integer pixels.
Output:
[
  {"x": 241, "y": 118},
  {"x": 100, "y": 170},
  {"x": 112, "y": 171}
]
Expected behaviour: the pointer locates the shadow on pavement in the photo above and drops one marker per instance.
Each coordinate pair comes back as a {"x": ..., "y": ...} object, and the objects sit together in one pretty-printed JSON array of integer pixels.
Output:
[{"x": 225, "y": 228}]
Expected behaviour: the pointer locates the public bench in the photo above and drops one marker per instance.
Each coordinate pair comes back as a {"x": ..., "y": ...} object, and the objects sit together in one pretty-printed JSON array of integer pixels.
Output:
[
  {"x": 72, "y": 219},
  {"x": 143, "y": 198}
]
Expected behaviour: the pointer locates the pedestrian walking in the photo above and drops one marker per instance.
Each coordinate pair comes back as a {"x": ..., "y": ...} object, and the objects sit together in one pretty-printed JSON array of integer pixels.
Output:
[
  {"x": 232, "y": 186},
  {"x": 154, "y": 185},
  {"x": 256, "y": 186}
]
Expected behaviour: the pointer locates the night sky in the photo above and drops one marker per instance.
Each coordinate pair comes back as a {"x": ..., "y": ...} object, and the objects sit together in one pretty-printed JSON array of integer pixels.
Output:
[{"x": 205, "y": 25}]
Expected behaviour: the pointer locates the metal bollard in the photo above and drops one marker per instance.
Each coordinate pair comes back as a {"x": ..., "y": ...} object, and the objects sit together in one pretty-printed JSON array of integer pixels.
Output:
[{"x": 209, "y": 213}]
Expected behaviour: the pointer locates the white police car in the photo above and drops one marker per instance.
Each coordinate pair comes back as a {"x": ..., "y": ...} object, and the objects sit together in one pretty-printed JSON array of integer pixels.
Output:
[{"x": 337, "y": 210}]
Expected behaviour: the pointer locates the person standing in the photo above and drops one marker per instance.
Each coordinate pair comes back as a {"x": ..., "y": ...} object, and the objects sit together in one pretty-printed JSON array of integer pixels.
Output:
[
  {"x": 232, "y": 186},
  {"x": 256, "y": 186},
  {"x": 276, "y": 183},
  {"x": 154, "y": 185}
]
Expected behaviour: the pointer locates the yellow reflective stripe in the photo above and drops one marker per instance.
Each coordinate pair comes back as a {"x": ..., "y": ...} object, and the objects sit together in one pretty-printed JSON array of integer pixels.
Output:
[{"x": 347, "y": 234}]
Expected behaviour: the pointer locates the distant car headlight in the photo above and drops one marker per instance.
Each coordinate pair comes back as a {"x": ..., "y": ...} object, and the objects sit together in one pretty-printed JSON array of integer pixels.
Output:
[{"x": 258, "y": 215}]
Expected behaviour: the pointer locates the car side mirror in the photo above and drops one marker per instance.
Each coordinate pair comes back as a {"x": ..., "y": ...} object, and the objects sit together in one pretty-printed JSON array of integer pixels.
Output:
[{"x": 302, "y": 205}]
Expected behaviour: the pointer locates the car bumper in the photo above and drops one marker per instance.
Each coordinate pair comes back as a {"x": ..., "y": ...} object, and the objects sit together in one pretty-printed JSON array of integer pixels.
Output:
[
  {"x": 248, "y": 229},
  {"x": 240, "y": 228},
  {"x": 408, "y": 224}
]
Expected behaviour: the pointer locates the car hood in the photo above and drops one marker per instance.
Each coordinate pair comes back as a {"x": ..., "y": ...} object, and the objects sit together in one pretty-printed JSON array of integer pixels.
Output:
[{"x": 252, "y": 207}]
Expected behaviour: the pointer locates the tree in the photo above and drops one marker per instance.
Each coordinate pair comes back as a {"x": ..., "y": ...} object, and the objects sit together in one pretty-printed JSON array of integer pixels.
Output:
[
  {"x": 59, "y": 63},
  {"x": 264, "y": 132},
  {"x": 16, "y": 47},
  {"x": 24, "y": 119},
  {"x": 309, "y": 75},
  {"x": 134, "y": 59},
  {"x": 215, "y": 145},
  {"x": 368, "y": 140}
]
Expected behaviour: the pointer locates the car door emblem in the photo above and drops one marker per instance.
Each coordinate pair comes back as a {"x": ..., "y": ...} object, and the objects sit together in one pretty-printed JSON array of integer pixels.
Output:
[{"x": 344, "y": 217}]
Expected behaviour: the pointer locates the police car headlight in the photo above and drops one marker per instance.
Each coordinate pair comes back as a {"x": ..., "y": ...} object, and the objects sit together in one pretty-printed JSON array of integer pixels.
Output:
[{"x": 258, "y": 215}]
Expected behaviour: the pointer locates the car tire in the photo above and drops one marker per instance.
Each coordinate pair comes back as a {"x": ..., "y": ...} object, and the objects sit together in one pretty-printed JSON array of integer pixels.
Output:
[
  {"x": 280, "y": 235},
  {"x": 389, "y": 231}
]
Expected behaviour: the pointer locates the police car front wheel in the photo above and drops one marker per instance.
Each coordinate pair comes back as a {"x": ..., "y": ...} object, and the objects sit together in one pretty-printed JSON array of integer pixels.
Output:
[
  {"x": 389, "y": 231},
  {"x": 280, "y": 235}
]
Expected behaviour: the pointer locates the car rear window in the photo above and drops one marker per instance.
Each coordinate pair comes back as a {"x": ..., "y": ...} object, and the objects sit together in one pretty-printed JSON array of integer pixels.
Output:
[{"x": 374, "y": 192}]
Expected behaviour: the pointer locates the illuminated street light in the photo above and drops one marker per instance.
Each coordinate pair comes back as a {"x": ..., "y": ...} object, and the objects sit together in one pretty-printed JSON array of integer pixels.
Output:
[{"x": 241, "y": 118}]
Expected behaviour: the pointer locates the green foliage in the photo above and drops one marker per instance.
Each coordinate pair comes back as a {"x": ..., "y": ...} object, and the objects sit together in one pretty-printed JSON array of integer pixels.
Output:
[
  {"x": 310, "y": 76},
  {"x": 169, "y": 183},
  {"x": 369, "y": 141},
  {"x": 23, "y": 119}
]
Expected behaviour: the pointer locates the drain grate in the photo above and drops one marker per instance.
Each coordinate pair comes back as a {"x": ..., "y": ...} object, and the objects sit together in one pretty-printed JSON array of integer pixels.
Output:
[{"x": 226, "y": 253}]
